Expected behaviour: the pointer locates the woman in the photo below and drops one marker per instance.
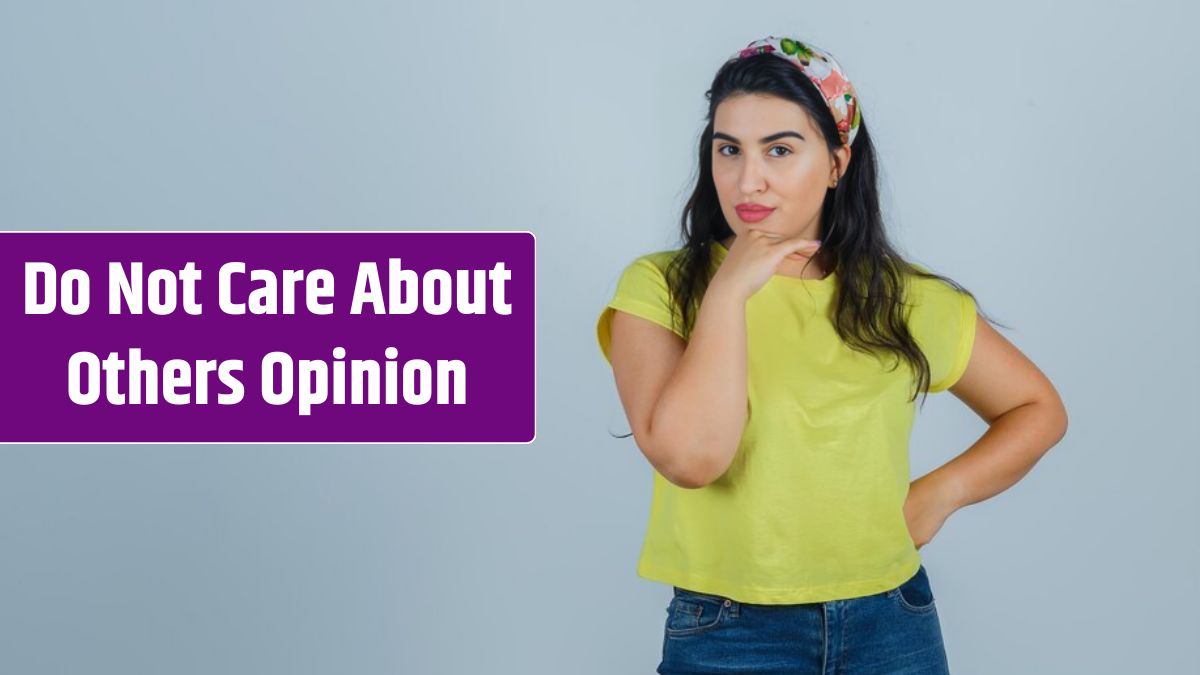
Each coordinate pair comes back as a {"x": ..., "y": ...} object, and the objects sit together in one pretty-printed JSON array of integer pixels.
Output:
[{"x": 769, "y": 370}]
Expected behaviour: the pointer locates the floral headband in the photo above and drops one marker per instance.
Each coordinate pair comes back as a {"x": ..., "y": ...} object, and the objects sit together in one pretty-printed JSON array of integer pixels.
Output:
[{"x": 824, "y": 71}]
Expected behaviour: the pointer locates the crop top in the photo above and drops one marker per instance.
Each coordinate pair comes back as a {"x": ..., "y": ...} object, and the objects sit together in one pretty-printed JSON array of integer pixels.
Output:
[{"x": 811, "y": 507}]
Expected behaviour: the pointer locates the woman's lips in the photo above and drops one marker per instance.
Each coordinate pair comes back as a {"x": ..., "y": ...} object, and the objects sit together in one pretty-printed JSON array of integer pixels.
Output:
[{"x": 753, "y": 214}]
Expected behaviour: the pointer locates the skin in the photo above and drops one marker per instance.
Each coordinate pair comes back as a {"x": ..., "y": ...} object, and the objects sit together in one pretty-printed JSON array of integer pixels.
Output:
[
  {"x": 1025, "y": 416},
  {"x": 792, "y": 173},
  {"x": 687, "y": 417}
]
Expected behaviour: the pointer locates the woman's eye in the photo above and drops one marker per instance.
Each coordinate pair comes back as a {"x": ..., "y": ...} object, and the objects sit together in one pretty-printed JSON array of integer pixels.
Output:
[{"x": 733, "y": 150}]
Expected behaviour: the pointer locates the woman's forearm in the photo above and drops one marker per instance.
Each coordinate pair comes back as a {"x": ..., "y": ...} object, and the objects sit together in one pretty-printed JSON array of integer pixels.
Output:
[
  {"x": 699, "y": 417},
  {"x": 1013, "y": 443}
]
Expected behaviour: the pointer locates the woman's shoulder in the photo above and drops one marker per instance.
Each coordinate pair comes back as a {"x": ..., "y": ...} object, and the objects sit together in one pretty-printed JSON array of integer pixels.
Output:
[
  {"x": 642, "y": 290},
  {"x": 920, "y": 285},
  {"x": 654, "y": 262},
  {"x": 661, "y": 258}
]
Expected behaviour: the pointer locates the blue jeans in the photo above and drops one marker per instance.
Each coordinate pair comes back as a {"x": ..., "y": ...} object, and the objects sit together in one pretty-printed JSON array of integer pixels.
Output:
[{"x": 894, "y": 632}]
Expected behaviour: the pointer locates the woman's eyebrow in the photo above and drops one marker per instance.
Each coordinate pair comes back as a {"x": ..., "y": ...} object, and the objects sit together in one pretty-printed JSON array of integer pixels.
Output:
[{"x": 764, "y": 140}]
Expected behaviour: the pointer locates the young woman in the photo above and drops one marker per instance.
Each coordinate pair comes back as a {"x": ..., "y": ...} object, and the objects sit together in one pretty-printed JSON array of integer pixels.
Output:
[{"x": 769, "y": 369}]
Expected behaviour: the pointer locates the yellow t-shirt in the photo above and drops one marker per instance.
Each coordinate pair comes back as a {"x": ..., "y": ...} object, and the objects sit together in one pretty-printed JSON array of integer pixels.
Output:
[{"x": 811, "y": 508}]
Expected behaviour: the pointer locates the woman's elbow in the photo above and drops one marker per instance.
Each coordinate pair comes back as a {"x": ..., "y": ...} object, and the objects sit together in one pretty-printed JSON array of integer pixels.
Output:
[
  {"x": 1054, "y": 416},
  {"x": 690, "y": 470},
  {"x": 1061, "y": 418}
]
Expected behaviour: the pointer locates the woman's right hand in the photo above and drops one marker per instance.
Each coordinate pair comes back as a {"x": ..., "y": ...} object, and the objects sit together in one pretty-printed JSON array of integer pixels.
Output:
[{"x": 754, "y": 258}]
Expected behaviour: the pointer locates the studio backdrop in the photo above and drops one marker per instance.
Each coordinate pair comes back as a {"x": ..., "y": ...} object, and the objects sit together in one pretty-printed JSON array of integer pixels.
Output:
[{"x": 1043, "y": 155}]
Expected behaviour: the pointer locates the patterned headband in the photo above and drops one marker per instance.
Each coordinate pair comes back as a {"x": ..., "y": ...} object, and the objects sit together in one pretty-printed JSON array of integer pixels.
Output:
[{"x": 824, "y": 71}]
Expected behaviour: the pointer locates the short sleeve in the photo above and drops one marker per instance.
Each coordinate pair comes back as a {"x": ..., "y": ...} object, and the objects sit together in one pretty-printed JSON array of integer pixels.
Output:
[
  {"x": 942, "y": 320},
  {"x": 641, "y": 291}
]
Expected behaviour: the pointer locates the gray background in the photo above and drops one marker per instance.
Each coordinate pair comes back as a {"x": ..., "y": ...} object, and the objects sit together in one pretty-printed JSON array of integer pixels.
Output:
[{"x": 1042, "y": 154}]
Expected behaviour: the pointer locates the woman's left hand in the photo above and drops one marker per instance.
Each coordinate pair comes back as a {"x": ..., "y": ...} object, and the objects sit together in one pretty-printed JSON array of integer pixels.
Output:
[{"x": 926, "y": 509}]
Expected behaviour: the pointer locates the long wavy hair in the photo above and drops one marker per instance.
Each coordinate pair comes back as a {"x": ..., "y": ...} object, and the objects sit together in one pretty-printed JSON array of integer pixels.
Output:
[{"x": 868, "y": 312}]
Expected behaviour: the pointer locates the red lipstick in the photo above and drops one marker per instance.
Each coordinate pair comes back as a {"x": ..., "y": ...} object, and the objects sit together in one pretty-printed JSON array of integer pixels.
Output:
[{"x": 752, "y": 213}]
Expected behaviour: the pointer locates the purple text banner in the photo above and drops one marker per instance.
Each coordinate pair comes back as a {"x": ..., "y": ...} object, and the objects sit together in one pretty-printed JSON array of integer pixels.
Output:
[{"x": 268, "y": 337}]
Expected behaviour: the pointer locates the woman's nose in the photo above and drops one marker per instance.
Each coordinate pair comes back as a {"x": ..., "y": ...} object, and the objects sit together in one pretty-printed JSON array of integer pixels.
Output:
[{"x": 752, "y": 178}]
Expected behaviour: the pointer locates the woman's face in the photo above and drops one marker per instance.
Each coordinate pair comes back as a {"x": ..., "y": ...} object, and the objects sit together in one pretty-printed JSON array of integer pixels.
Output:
[{"x": 767, "y": 152}]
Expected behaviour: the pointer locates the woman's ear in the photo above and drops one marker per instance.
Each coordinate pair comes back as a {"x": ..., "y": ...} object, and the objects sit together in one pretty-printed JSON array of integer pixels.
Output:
[{"x": 841, "y": 162}]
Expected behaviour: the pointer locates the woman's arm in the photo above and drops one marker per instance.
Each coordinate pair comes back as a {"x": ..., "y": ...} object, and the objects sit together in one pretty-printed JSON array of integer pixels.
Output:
[
  {"x": 1025, "y": 416},
  {"x": 685, "y": 401}
]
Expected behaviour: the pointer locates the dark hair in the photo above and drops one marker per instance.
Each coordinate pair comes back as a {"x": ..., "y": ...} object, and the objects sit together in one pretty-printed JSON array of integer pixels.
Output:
[{"x": 868, "y": 313}]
